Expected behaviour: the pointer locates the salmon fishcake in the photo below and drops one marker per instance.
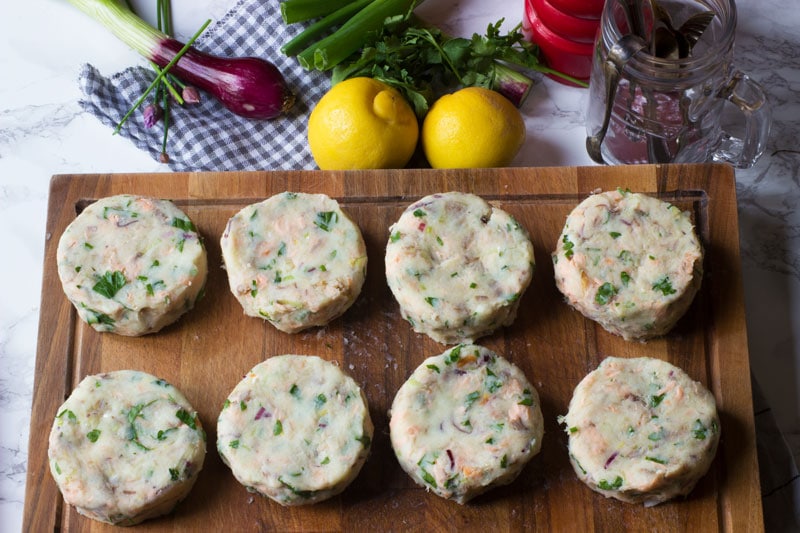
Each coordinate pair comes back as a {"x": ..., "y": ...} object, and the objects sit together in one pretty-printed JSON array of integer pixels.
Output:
[
  {"x": 131, "y": 265},
  {"x": 465, "y": 421},
  {"x": 641, "y": 430},
  {"x": 458, "y": 266},
  {"x": 296, "y": 429},
  {"x": 630, "y": 262},
  {"x": 295, "y": 259},
  {"x": 125, "y": 446}
]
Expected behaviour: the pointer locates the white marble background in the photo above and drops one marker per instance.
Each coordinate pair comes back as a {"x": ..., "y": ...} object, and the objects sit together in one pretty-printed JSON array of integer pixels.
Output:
[{"x": 44, "y": 132}]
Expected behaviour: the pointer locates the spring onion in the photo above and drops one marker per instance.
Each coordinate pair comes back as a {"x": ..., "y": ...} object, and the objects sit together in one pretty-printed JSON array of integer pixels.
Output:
[{"x": 250, "y": 87}]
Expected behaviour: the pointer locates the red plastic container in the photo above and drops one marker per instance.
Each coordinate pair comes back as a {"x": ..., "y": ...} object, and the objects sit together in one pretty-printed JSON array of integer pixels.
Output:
[
  {"x": 565, "y": 55},
  {"x": 580, "y": 8},
  {"x": 568, "y": 26}
]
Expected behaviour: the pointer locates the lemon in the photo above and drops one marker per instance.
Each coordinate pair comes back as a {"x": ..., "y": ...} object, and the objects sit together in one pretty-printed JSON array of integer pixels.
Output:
[
  {"x": 362, "y": 123},
  {"x": 472, "y": 128}
]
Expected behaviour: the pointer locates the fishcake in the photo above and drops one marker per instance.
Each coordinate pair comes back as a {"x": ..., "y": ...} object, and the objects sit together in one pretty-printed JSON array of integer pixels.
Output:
[
  {"x": 131, "y": 265},
  {"x": 295, "y": 259},
  {"x": 465, "y": 421},
  {"x": 641, "y": 430},
  {"x": 125, "y": 446},
  {"x": 458, "y": 266},
  {"x": 631, "y": 262},
  {"x": 296, "y": 429}
]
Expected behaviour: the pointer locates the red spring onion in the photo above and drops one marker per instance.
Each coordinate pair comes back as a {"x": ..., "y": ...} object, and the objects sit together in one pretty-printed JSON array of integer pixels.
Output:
[{"x": 248, "y": 86}]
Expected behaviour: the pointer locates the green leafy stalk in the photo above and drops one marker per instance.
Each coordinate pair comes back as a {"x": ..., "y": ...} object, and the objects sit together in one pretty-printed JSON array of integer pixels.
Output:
[
  {"x": 307, "y": 36},
  {"x": 355, "y": 33},
  {"x": 301, "y": 10}
]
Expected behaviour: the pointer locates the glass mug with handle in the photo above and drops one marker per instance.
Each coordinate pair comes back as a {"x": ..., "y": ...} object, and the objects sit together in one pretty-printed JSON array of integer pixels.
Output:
[{"x": 662, "y": 80}]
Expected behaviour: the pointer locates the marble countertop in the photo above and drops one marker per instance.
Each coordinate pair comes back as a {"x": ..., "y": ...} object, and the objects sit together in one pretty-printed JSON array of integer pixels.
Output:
[{"x": 43, "y": 131}]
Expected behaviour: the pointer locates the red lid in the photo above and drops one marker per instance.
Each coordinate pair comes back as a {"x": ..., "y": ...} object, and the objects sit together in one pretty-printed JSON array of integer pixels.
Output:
[
  {"x": 564, "y": 24},
  {"x": 570, "y": 57},
  {"x": 580, "y": 8}
]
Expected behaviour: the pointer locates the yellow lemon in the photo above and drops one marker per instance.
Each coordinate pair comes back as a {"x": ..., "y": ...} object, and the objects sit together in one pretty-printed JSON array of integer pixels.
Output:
[
  {"x": 362, "y": 123},
  {"x": 472, "y": 128}
]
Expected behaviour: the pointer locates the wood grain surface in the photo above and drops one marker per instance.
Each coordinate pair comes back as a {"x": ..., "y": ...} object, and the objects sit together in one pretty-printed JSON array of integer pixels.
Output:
[{"x": 207, "y": 351}]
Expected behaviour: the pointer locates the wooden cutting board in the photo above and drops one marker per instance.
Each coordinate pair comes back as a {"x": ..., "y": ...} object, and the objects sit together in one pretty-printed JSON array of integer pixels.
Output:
[{"x": 206, "y": 353}]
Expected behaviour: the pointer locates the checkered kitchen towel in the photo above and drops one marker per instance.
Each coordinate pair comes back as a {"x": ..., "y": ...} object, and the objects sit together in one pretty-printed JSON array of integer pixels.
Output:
[{"x": 207, "y": 136}]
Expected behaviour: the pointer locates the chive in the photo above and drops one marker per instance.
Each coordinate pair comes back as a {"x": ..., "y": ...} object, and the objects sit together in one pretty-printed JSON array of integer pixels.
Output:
[
  {"x": 93, "y": 435},
  {"x": 234, "y": 444},
  {"x": 473, "y": 285},
  {"x": 504, "y": 462},
  {"x": 615, "y": 234},
  {"x": 278, "y": 429},
  {"x": 434, "y": 368},
  {"x": 226, "y": 403},
  {"x": 174, "y": 474},
  {"x": 573, "y": 429},
  {"x": 655, "y": 460},
  {"x": 625, "y": 277},
  {"x": 431, "y": 300},
  {"x": 439, "y": 240},
  {"x": 419, "y": 213},
  {"x": 88, "y": 246},
  {"x": 295, "y": 390},
  {"x": 326, "y": 461},
  {"x": 396, "y": 236}
]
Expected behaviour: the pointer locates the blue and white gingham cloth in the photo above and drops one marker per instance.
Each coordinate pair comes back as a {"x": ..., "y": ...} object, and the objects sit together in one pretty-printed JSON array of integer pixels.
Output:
[{"x": 206, "y": 136}]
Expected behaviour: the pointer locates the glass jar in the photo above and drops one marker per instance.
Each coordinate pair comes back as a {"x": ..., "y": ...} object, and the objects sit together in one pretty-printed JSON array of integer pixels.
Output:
[{"x": 648, "y": 109}]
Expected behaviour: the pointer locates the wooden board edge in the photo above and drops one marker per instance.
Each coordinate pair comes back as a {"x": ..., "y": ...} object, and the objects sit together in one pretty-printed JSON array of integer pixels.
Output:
[
  {"x": 50, "y": 387},
  {"x": 741, "y": 501}
]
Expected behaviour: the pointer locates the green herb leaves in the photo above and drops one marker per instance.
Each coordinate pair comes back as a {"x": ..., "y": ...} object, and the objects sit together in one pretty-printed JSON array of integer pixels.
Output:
[
  {"x": 110, "y": 283},
  {"x": 664, "y": 285},
  {"x": 326, "y": 219},
  {"x": 605, "y": 485},
  {"x": 568, "y": 246},
  {"x": 605, "y": 293},
  {"x": 184, "y": 224}
]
